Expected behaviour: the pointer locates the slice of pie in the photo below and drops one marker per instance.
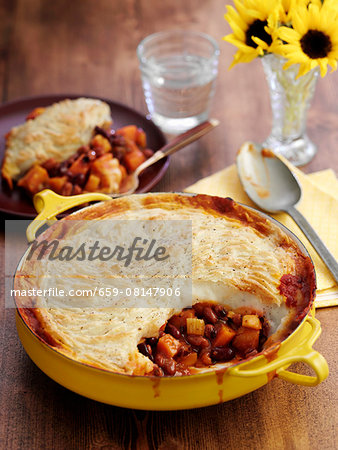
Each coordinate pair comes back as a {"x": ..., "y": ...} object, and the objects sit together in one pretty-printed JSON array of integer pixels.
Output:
[{"x": 56, "y": 131}]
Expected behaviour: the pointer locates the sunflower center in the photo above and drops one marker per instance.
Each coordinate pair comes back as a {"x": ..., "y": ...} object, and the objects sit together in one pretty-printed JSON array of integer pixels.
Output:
[
  {"x": 316, "y": 44},
  {"x": 256, "y": 29}
]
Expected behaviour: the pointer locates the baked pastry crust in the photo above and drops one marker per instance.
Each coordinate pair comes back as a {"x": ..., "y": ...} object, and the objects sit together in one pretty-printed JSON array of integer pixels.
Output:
[
  {"x": 240, "y": 258},
  {"x": 56, "y": 133}
]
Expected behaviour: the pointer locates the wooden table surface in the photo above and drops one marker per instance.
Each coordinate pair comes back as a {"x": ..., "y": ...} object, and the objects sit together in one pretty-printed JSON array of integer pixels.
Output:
[{"x": 88, "y": 47}]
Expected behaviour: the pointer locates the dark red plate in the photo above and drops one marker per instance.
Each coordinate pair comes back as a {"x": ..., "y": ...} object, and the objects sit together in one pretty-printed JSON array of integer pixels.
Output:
[{"x": 14, "y": 113}]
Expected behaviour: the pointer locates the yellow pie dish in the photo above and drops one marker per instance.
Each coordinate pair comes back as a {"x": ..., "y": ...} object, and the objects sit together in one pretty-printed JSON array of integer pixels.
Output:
[{"x": 221, "y": 383}]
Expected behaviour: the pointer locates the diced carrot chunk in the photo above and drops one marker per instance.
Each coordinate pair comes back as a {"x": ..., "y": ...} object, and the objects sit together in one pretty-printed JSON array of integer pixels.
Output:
[
  {"x": 246, "y": 340},
  {"x": 188, "y": 360},
  {"x": 168, "y": 345},
  {"x": 224, "y": 335},
  {"x": 131, "y": 146},
  {"x": 141, "y": 138},
  {"x": 100, "y": 142},
  {"x": 92, "y": 184},
  {"x": 251, "y": 321},
  {"x": 129, "y": 131},
  {"x": 80, "y": 165},
  {"x": 108, "y": 170},
  {"x": 57, "y": 183},
  {"x": 35, "y": 179},
  {"x": 133, "y": 159}
]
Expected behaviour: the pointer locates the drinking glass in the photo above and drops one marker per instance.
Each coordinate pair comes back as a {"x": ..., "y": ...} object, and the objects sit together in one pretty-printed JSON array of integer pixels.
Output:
[{"x": 178, "y": 70}]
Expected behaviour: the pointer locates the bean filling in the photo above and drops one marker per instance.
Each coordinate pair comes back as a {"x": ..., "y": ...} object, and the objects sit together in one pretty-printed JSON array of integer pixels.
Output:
[{"x": 203, "y": 335}]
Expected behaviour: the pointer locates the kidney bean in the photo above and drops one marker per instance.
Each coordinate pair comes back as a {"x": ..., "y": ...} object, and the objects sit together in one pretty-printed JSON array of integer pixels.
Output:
[
  {"x": 102, "y": 132},
  {"x": 187, "y": 313},
  {"x": 63, "y": 169},
  {"x": 222, "y": 353},
  {"x": 262, "y": 340},
  {"x": 148, "y": 153},
  {"x": 184, "y": 349},
  {"x": 67, "y": 188},
  {"x": 76, "y": 189},
  {"x": 209, "y": 315},
  {"x": 99, "y": 152},
  {"x": 91, "y": 155},
  {"x": 83, "y": 149},
  {"x": 150, "y": 350},
  {"x": 53, "y": 172},
  {"x": 50, "y": 164},
  {"x": 171, "y": 329},
  {"x": 198, "y": 308},
  {"x": 204, "y": 357},
  {"x": 71, "y": 159},
  {"x": 79, "y": 179},
  {"x": 152, "y": 341},
  {"x": 197, "y": 341},
  {"x": 209, "y": 331},
  {"x": 119, "y": 152},
  {"x": 169, "y": 367},
  {"x": 117, "y": 140},
  {"x": 220, "y": 311},
  {"x": 157, "y": 371},
  {"x": 142, "y": 348},
  {"x": 167, "y": 364},
  {"x": 145, "y": 350},
  {"x": 265, "y": 326},
  {"x": 237, "y": 319}
]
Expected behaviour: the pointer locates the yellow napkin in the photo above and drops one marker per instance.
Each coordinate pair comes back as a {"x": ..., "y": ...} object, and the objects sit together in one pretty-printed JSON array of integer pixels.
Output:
[{"x": 319, "y": 204}]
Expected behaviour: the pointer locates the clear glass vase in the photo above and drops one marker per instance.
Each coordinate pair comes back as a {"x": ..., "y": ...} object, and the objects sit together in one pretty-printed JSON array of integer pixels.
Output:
[{"x": 290, "y": 100}]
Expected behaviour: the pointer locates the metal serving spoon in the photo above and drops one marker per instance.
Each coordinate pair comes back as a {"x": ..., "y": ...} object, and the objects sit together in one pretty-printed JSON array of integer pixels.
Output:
[
  {"x": 131, "y": 182},
  {"x": 273, "y": 187}
]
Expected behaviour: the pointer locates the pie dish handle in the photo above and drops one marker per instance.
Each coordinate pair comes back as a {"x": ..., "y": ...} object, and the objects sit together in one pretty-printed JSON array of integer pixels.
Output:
[
  {"x": 48, "y": 204},
  {"x": 302, "y": 352}
]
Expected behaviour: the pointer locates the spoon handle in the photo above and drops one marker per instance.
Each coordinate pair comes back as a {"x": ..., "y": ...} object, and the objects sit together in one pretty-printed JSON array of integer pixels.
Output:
[
  {"x": 315, "y": 240},
  {"x": 179, "y": 142}
]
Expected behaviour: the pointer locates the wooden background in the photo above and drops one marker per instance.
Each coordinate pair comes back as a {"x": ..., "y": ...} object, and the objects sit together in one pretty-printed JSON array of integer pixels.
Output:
[{"x": 88, "y": 47}]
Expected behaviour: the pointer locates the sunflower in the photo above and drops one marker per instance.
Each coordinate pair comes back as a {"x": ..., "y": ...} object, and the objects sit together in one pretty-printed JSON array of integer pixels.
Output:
[
  {"x": 285, "y": 11},
  {"x": 313, "y": 41},
  {"x": 253, "y": 28},
  {"x": 287, "y": 6}
]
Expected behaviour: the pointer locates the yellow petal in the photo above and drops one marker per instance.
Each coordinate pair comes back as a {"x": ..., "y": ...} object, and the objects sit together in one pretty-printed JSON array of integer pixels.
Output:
[
  {"x": 232, "y": 40},
  {"x": 242, "y": 11},
  {"x": 260, "y": 43},
  {"x": 333, "y": 65},
  {"x": 233, "y": 15},
  {"x": 287, "y": 64},
  {"x": 238, "y": 32},
  {"x": 299, "y": 24},
  {"x": 241, "y": 57},
  {"x": 323, "y": 66},
  {"x": 288, "y": 35},
  {"x": 303, "y": 69},
  {"x": 297, "y": 56}
]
